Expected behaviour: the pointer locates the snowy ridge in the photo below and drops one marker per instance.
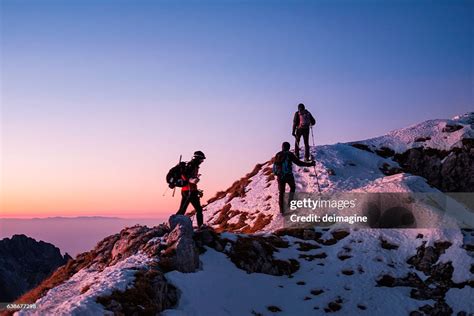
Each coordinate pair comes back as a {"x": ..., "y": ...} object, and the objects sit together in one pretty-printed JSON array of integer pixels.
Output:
[
  {"x": 438, "y": 134},
  {"x": 77, "y": 296},
  {"x": 342, "y": 168}
]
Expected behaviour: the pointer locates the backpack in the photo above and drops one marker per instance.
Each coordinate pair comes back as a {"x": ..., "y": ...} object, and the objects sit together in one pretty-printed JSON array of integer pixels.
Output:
[
  {"x": 282, "y": 165},
  {"x": 173, "y": 178},
  {"x": 306, "y": 119}
]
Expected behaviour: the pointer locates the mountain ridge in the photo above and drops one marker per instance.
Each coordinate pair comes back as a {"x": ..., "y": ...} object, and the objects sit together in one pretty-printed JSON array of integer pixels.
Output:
[{"x": 173, "y": 270}]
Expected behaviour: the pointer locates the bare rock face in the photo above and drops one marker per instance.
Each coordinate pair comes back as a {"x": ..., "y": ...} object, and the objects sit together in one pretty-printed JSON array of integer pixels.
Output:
[
  {"x": 125, "y": 244},
  {"x": 255, "y": 254},
  {"x": 181, "y": 253},
  {"x": 449, "y": 171},
  {"x": 107, "y": 252},
  {"x": 150, "y": 295},
  {"x": 437, "y": 284},
  {"x": 24, "y": 263}
]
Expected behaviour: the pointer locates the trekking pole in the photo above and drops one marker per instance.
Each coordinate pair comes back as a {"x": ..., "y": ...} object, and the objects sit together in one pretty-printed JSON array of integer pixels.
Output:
[
  {"x": 166, "y": 190},
  {"x": 315, "y": 172}
]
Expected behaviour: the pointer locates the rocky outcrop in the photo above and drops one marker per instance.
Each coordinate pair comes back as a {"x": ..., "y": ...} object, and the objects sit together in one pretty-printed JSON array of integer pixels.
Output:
[
  {"x": 107, "y": 252},
  {"x": 435, "y": 287},
  {"x": 150, "y": 294},
  {"x": 449, "y": 171},
  {"x": 181, "y": 253},
  {"x": 255, "y": 254},
  {"x": 24, "y": 263}
]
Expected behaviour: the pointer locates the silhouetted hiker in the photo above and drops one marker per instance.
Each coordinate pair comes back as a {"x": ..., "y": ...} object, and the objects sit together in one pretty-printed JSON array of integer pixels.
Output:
[
  {"x": 283, "y": 169},
  {"x": 302, "y": 122},
  {"x": 190, "y": 192}
]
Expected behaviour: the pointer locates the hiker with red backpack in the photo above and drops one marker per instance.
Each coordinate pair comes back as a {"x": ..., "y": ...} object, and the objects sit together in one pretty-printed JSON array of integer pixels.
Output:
[
  {"x": 186, "y": 176},
  {"x": 302, "y": 122},
  {"x": 283, "y": 169}
]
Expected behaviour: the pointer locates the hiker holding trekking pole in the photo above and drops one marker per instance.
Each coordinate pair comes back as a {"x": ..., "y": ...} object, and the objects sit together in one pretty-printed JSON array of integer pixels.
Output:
[
  {"x": 302, "y": 122},
  {"x": 283, "y": 170},
  {"x": 186, "y": 176}
]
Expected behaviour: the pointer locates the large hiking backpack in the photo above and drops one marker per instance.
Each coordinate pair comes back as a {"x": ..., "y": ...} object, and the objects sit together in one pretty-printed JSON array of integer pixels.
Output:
[
  {"x": 306, "y": 120},
  {"x": 282, "y": 165},
  {"x": 174, "y": 176}
]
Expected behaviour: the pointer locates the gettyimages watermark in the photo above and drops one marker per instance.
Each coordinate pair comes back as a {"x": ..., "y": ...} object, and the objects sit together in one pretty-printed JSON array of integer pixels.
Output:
[{"x": 380, "y": 210}]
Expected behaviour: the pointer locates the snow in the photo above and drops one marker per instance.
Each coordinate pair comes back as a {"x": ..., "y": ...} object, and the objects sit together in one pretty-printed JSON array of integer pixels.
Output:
[
  {"x": 353, "y": 171},
  {"x": 68, "y": 299},
  {"x": 403, "y": 139},
  {"x": 231, "y": 291},
  {"x": 461, "y": 300},
  {"x": 222, "y": 289}
]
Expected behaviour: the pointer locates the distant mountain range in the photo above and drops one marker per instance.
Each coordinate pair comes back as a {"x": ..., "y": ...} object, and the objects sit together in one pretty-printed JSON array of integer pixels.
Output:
[{"x": 24, "y": 263}]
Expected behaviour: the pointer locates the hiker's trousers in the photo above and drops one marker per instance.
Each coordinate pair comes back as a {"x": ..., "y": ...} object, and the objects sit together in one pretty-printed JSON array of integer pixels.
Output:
[
  {"x": 305, "y": 133},
  {"x": 191, "y": 196},
  {"x": 282, "y": 182}
]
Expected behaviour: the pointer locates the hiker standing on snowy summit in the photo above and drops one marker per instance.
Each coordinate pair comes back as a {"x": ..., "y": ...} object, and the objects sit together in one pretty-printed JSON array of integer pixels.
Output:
[
  {"x": 302, "y": 122},
  {"x": 190, "y": 192},
  {"x": 283, "y": 169}
]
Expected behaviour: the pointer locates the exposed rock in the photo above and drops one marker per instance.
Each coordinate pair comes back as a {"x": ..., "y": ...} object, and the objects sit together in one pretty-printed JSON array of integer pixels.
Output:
[
  {"x": 450, "y": 128},
  {"x": 347, "y": 272},
  {"x": 422, "y": 139},
  {"x": 255, "y": 254},
  {"x": 101, "y": 256},
  {"x": 181, "y": 253},
  {"x": 274, "y": 309},
  {"x": 317, "y": 292},
  {"x": 306, "y": 246},
  {"x": 150, "y": 294},
  {"x": 426, "y": 257},
  {"x": 334, "y": 306},
  {"x": 208, "y": 237},
  {"x": 24, "y": 263},
  {"x": 340, "y": 234},
  {"x": 389, "y": 170},
  {"x": 301, "y": 233},
  {"x": 387, "y": 245},
  {"x": 362, "y": 147},
  {"x": 449, "y": 171},
  {"x": 306, "y": 257},
  {"x": 385, "y": 152}
]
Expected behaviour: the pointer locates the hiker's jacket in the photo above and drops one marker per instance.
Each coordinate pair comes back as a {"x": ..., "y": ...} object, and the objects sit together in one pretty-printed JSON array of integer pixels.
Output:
[
  {"x": 191, "y": 171},
  {"x": 292, "y": 159},
  {"x": 296, "y": 119}
]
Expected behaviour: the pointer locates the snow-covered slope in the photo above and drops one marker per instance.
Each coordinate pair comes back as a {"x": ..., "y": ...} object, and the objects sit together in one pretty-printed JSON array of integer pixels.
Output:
[
  {"x": 252, "y": 205},
  {"x": 344, "y": 278},
  {"x": 438, "y": 134}
]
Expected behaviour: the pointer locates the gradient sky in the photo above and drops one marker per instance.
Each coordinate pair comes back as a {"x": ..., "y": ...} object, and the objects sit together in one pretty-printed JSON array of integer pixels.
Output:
[{"x": 99, "y": 98}]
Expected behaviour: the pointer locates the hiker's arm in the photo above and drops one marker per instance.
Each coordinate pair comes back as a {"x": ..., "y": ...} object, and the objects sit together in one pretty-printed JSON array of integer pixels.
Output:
[
  {"x": 296, "y": 122},
  {"x": 300, "y": 163}
]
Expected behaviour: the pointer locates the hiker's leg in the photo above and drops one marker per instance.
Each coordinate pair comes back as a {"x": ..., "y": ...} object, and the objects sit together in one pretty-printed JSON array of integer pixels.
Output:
[
  {"x": 305, "y": 133},
  {"x": 297, "y": 143},
  {"x": 196, "y": 202},
  {"x": 281, "y": 195},
  {"x": 291, "y": 183},
  {"x": 185, "y": 196}
]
